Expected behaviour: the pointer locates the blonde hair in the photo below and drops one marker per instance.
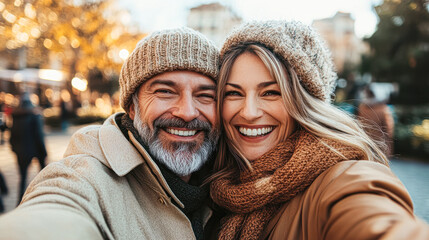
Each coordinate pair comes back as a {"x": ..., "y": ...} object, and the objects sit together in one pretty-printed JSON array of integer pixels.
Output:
[{"x": 321, "y": 119}]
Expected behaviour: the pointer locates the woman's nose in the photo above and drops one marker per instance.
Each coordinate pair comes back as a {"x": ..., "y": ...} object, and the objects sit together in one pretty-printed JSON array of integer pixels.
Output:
[{"x": 251, "y": 109}]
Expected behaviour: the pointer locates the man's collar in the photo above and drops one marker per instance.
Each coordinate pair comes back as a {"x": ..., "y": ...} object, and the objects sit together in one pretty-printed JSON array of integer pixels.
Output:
[
  {"x": 122, "y": 158},
  {"x": 130, "y": 155}
]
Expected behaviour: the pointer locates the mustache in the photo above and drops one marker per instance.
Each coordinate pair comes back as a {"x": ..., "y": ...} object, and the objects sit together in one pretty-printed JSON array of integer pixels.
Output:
[{"x": 195, "y": 124}]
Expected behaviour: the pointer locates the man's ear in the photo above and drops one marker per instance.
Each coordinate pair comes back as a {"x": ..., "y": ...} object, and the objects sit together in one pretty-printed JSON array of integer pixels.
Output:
[{"x": 131, "y": 111}]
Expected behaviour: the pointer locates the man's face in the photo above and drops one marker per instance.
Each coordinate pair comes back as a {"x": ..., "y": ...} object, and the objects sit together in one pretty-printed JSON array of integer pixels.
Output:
[{"x": 175, "y": 118}]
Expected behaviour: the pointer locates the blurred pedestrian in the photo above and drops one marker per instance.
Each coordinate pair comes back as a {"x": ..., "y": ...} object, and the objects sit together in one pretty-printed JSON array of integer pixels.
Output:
[
  {"x": 6, "y": 110},
  {"x": 27, "y": 138},
  {"x": 377, "y": 119},
  {"x": 2, "y": 118},
  {"x": 2, "y": 126},
  {"x": 3, "y": 191},
  {"x": 66, "y": 110}
]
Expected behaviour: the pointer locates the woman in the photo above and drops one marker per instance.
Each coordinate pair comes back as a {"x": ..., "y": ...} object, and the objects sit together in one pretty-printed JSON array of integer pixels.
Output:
[{"x": 289, "y": 164}]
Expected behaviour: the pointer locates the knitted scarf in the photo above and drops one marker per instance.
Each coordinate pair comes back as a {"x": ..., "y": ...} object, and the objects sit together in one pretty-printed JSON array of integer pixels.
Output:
[
  {"x": 190, "y": 194},
  {"x": 253, "y": 197}
]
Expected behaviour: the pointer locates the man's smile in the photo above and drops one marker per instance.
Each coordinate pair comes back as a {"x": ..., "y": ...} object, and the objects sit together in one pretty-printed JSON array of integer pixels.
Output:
[{"x": 181, "y": 132}]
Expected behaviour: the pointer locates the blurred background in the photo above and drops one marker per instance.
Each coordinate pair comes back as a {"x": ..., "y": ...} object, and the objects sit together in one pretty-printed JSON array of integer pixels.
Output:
[{"x": 67, "y": 55}]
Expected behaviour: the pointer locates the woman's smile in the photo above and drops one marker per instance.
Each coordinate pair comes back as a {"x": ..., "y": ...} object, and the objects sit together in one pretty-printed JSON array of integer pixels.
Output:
[{"x": 255, "y": 131}]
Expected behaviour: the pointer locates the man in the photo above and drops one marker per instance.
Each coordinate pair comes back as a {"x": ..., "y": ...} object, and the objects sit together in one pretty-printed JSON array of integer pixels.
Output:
[{"x": 138, "y": 175}]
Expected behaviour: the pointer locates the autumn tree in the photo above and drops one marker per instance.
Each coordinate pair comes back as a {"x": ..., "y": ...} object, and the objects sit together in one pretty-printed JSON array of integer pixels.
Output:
[
  {"x": 83, "y": 36},
  {"x": 400, "y": 49}
]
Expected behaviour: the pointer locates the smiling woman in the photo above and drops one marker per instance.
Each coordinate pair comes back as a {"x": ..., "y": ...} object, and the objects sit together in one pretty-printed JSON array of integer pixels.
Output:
[
  {"x": 290, "y": 165},
  {"x": 254, "y": 113}
]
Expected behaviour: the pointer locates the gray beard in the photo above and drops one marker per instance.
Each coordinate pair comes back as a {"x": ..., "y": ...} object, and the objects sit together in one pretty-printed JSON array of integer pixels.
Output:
[{"x": 185, "y": 157}]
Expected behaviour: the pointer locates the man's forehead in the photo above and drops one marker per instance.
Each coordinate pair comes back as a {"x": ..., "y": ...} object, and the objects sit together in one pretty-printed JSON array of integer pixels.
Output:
[{"x": 181, "y": 78}]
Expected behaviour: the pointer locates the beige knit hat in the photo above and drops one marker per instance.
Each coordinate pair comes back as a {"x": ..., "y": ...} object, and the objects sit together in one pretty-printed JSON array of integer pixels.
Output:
[
  {"x": 167, "y": 50},
  {"x": 297, "y": 44}
]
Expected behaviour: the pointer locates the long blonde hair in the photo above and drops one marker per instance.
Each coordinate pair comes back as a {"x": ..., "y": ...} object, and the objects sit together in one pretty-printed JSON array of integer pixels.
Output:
[{"x": 321, "y": 119}]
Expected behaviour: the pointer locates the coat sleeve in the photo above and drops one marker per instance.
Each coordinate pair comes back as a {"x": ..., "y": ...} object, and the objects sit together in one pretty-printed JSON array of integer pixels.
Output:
[
  {"x": 59, "y": 204},
  {"x": 368, "y": 202}
]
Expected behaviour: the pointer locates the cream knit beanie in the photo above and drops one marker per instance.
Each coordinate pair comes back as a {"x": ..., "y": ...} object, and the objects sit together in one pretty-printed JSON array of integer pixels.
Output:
[
  {"x": 164, "y": 51},
  {"x": 297, "y": 44}
]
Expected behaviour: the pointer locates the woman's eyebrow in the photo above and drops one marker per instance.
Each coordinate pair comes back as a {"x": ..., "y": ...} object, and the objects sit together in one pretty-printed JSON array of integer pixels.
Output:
[
  {"x": 266, "y": 84},
  {"x": 234, "y": 85},
  {"x": 260, "y": 85}
]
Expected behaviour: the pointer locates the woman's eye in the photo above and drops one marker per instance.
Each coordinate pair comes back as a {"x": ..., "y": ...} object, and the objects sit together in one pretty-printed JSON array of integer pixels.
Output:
[
  {"x": 272, "y": 93},
  {"x": 232, "y": 93}
]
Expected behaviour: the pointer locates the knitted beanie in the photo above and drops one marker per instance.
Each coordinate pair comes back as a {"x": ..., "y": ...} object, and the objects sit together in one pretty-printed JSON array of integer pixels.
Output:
[
  {"x": 295, "y": 43},
  {"x": 164, "y": 51}
]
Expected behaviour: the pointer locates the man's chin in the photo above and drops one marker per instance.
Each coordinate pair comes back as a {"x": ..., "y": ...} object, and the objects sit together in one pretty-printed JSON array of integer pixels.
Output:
[
  {"x": 182, "y": 155},
  {"x": 181, "y": 162}
]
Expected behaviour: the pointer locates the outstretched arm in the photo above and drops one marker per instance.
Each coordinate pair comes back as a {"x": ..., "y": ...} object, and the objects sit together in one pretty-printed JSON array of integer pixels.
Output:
[
  {"x": 59, "y": 204},
  {"x": 371, "y": 203}
]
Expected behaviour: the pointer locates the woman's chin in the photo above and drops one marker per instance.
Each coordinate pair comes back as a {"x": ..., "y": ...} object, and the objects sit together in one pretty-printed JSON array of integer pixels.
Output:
[{"x": 252, "y": 154}]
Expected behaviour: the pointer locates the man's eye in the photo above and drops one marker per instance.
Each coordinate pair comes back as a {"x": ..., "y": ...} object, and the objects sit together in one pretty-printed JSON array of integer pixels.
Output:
[
  {"x": 163, "y": 91},
  {"x": 272, "y": 93},
  {"x": 211, "y": 96},
  {"x": 232, "y": 93}
]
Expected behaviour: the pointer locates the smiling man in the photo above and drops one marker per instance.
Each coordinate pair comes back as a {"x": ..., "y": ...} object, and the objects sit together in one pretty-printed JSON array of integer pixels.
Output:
[
  {"x": 137, "y": 176},
  {"x": 173, "y": 113}
]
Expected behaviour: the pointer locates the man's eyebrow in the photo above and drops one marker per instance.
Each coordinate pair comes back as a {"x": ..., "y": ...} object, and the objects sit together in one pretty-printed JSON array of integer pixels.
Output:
[
  {"x": 172, "y": 83},
  {"x": 162, "y": 81},
  {"x": 207, "y": 87}
]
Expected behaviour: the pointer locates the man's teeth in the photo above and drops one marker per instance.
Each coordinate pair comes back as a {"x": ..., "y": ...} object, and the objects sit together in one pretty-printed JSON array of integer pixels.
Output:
[
  {"x": 181, "y": 132},
  {"x": 255, "y": 131}
]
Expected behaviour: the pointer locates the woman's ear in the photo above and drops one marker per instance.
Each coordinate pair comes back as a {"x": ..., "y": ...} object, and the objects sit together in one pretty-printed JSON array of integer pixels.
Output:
[{"x": 131, "y": 111}]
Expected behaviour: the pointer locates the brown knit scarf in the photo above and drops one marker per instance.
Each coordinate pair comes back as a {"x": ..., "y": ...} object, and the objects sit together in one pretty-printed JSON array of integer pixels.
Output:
[{"x": 277, "y": 176}]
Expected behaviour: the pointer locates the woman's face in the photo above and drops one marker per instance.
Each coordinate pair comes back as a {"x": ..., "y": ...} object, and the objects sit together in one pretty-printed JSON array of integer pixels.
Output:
[{"x": 253, "y": 110}]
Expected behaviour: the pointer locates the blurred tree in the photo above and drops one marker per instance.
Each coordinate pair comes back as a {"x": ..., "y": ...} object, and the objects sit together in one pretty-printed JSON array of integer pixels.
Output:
[
  {"x": 79, "y": 36},
  {"x": 400, "y": 49}
]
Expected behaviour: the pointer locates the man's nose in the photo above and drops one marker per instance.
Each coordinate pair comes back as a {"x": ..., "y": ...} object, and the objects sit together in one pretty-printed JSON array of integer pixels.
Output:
[{"x": 186, "y": 109}]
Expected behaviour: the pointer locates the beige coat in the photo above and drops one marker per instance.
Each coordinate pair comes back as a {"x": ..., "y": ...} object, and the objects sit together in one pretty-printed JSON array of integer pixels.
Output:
[
  {"x": 352, "y": 200},
  {"x": 105, "y": 187}
]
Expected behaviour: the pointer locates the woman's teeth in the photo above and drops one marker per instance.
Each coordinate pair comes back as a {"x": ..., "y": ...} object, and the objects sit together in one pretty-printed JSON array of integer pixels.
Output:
[
  {"x": 181, "y": 133},
  {"x": 253, "y": 132}
]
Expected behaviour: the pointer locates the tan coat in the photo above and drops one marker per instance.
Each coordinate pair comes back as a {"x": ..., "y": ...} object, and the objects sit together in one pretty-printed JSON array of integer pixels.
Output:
[
  {"x": 103, "y": 188},
  {"x": 352, "y": 200}
]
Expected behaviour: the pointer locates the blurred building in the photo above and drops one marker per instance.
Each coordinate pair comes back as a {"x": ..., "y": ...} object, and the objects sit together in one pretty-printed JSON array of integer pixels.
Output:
[
  {"x": 22, "y": 71},
  {"x": 213, "y": 20},
  {"x": 339, "y": 33}
]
